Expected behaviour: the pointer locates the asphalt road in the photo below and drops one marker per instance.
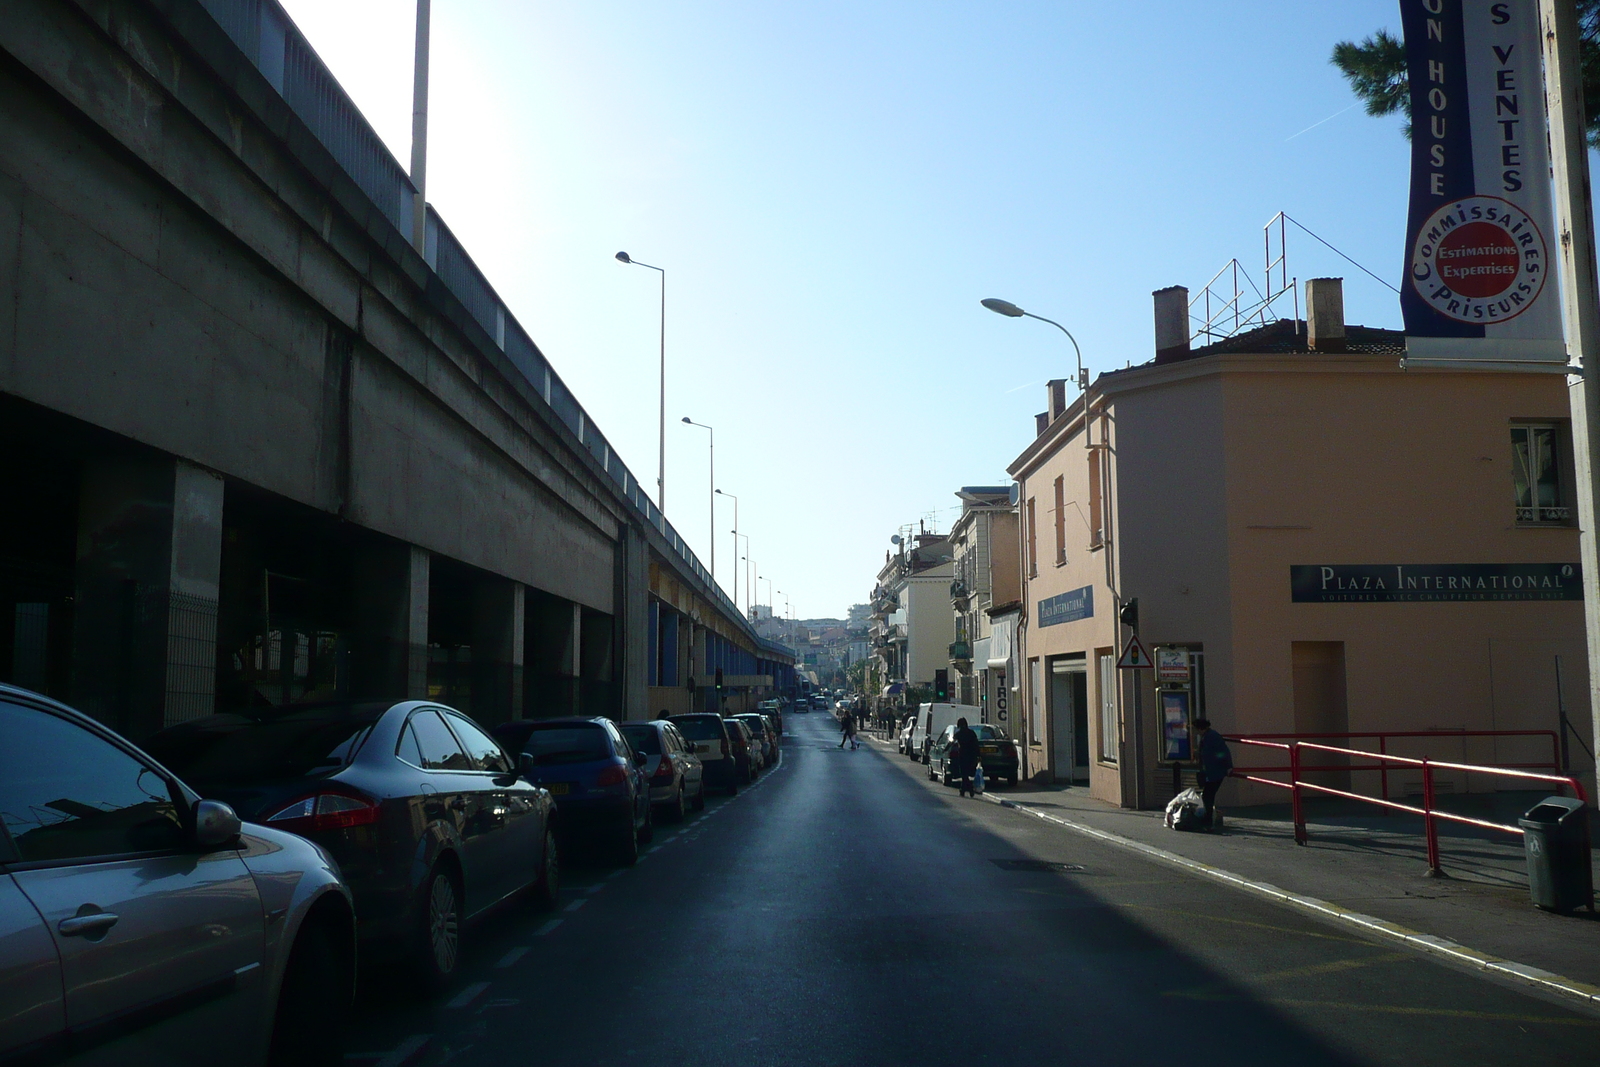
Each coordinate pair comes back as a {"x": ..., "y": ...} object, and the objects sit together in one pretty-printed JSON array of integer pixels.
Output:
[{"x": 845, "y": 910}]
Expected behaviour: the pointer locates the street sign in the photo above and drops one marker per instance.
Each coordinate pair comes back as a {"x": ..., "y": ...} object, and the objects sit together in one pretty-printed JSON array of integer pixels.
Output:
[
  {"x": 1172, "y": 666},
  {"x": 1134, "y": 656}
]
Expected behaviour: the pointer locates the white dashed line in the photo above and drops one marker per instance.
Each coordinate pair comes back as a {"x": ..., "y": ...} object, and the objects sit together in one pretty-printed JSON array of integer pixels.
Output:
[
  {"x": 512, "y": 957},
  {"x": 576, "y": 904},
  {"x": 468, "y": 995},
  {"x": 397, "y": 1056},
  {"x": 547, "y": 927}
]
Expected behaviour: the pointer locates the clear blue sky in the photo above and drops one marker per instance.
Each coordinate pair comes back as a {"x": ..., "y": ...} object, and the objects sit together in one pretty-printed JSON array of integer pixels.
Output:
[{"x": 833, "y": 186}]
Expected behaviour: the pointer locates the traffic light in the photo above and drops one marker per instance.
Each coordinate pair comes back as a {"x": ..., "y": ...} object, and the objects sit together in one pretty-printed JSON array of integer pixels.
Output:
[
  {"x": 1130, "y": 614},
  {"x": 941, "y": 685}
]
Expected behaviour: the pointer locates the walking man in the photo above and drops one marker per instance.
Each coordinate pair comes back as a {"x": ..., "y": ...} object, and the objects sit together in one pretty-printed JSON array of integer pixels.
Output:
[
  {"x": 966, "y": 755},
  {"x": 1215, "y": 763}
]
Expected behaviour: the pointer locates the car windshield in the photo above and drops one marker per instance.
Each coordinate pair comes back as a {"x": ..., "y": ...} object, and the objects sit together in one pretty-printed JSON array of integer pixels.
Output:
[
  {"x": 643, "y": 739},
  {"x": 699, "y": 728},
  {"x": 297, "y": 745},
  {"x": 986, "y": 732},
  {"x": 567, "y": 743}
]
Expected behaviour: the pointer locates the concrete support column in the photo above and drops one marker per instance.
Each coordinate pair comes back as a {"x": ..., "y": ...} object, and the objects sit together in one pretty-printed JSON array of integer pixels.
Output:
[
  {"x": 631, "y": 624},
  {"x": 148, "y": 569},
  {"x": 498, "y": 641},
  {"x": 390, "y": 645}
]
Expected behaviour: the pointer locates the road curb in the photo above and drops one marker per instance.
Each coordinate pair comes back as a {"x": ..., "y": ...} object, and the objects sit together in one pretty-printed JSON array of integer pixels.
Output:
[{"x": 1439, "y": 946}]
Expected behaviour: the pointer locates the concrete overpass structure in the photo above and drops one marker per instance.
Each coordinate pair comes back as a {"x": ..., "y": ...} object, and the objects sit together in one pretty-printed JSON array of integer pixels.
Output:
[{"x": 257, "y": 449}]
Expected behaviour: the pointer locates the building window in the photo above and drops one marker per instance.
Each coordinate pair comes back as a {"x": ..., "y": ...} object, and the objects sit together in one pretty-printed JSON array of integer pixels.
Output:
[
  {"x": 1061, "y": 521},
  {"x": 1096, "y": 526},
  {"x": 1109, "y": 733},
  {"x": 1033, "y": 542},
  {"x": 1536, "y": 474}
]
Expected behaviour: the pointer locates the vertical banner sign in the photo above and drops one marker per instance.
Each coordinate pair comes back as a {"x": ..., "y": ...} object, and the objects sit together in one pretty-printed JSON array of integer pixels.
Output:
[{"x": 1478, "y": 238}]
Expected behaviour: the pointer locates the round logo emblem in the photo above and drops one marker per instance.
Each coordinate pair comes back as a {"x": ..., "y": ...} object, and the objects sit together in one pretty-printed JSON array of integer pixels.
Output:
[{"x": 1480, "y": 259}]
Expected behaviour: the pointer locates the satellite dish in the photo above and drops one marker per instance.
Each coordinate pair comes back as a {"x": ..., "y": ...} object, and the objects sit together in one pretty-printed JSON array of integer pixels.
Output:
[{"x": 895, "y": 540}]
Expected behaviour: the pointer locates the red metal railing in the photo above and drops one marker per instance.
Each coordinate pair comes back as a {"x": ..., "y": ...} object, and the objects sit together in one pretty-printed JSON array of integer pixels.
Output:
[
  {"x": 1383, "y": 737},
  {"x": 1431, "y": 816}
]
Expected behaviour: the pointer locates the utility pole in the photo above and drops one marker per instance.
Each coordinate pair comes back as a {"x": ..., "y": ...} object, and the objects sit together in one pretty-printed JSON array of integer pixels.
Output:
[
  {"x": 1580, "y": 302},
  {"x": 419, "y": 132}
]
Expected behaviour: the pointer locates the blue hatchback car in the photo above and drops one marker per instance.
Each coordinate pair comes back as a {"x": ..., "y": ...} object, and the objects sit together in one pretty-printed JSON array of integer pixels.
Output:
[{"x": 599, "y": 787}]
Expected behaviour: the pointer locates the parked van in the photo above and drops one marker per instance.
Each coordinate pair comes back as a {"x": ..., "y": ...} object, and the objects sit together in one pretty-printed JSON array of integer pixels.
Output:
[{"x": 931, "y": 721}]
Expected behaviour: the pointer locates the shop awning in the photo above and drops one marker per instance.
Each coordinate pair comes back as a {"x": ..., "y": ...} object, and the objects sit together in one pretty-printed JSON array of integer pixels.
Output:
[{"x": 893, "y": 689}]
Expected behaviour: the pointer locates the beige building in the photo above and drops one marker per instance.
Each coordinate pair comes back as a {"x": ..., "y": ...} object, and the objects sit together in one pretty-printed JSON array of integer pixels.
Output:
[
  {"x": 1327, "y": 542},
  {"x": 984, "y": 544}
]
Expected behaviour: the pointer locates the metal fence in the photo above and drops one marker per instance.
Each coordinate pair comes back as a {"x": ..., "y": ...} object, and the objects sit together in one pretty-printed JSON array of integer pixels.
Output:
[{"x": 266, "y": 35}]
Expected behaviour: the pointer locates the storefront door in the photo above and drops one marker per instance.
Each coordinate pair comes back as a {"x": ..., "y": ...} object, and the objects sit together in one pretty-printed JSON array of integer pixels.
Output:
[{"x": 1069, "y": 718}]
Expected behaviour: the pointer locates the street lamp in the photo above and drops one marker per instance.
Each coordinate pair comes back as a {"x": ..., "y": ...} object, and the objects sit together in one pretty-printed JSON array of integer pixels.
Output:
[
  {"x": 711, "y": 499},
  {"x": 735, "y": 500},
  {"x": 749, "y": 572},
  {"x": 661, "y": 475},
  {"x": 1011, "y": 311},
  {"x": 763, "y": 578}
]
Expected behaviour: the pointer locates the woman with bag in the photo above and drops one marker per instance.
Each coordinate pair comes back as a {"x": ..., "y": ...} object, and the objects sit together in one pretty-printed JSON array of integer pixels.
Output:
[{"x": 966, "y": 740}]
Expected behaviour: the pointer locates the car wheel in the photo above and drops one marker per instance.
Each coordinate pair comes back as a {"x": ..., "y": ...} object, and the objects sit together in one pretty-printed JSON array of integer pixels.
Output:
[
  {"x": 700, "y": 797},
  {"x": 647, "y": 832},
  {"x": 945, "y": 777},
  {"x": 308, "y": 1027},
  {"x": 930, "y": 770},
  {"x": 627, "y": 843},
  {"x": 548, "y": 889},
  {"x": 733, "y": 789},
  {"x": 438, "y": 950}
]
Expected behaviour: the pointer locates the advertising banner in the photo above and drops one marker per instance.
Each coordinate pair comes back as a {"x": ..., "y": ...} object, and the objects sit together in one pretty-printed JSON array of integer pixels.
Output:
[
  {"x": 1067, "y": 607},
  {"x": 1390, "y": 583},
  {"x": 1479, "y": 252}
]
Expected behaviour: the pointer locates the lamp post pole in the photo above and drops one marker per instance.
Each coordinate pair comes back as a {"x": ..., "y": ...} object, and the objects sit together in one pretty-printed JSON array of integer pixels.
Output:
[
  {"x": 735, "y": 500},
  {"x": 419, "y": 131},
  {"x": 711, "y": 497},
  {"x": 661, "y": 475},
  {"x": 749, "y": 571}
]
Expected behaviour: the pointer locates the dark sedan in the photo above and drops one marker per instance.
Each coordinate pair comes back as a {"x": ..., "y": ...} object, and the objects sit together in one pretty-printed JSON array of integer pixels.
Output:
[
  {"x": 424, "y": 812},
  {"x": 601, "y": 788},
  {"x": 996, "y": 752}
]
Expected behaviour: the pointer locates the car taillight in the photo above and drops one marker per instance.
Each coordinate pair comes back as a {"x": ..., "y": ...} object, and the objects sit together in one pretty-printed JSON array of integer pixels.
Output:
[
  {"x": 663, "y": 769},
  {"x": 724, "y": 748},
  {"x": 615, "y": 774},
  {"x": 325, "y": 811}
]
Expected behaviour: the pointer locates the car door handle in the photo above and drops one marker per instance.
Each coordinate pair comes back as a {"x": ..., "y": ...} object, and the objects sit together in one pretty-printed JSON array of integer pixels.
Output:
[{"x": 87, "y": 925}]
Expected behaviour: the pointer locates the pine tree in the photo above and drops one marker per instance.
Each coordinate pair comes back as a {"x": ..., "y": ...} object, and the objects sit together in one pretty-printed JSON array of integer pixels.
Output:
[{"x": 1376, "y": 71}]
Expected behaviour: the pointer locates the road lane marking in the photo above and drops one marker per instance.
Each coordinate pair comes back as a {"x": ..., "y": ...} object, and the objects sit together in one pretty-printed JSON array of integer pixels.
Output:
[
  {"x": 595, "y": 888},
  {"x": 1245, "y": 922},
  {"x": 547, "y": 927},
  {"x": 467, "y": 995},
  {"x": 576, "y": 904},
  {"x": 512, "y": 957},
  {"x": 397, "y": 1056},
  {"x": 618, "y": 873},
  {"x": 1396, "y": 1009},
  {"x": 1331, "y": 967}
]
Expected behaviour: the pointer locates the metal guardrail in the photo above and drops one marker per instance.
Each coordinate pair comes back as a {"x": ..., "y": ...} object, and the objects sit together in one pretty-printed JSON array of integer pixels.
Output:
[
  {"x": 1431, "y": 815},
  {"x": 266, "y": 35}
]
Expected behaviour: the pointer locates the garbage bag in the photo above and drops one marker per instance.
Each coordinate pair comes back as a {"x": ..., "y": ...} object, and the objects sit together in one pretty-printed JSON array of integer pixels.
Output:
[{"x": 1186, "y": 811}]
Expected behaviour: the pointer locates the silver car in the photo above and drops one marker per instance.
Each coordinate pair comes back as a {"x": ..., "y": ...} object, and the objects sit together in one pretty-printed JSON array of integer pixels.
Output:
[{"x": 140, "y": 924}]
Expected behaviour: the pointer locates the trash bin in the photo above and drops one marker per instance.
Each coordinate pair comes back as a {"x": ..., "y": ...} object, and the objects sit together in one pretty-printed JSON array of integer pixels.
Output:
[{"x": 1555, "y": 833}]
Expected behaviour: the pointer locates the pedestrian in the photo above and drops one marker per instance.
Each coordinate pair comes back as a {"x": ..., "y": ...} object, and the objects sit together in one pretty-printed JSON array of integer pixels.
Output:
[
  {"x": 966, "y": 747},
  {"x": 847, "y": 728},
  {"x": 1215, "y": 763},
  {"x": 665, "y": 714}
]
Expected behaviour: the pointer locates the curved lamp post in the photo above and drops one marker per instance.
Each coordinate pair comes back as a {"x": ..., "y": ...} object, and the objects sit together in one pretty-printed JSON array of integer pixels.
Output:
[
  {"x": 661, "y": 473},
  {"x": 1011, "y": 311},
  {"x": 711, "y": 499},
  {"x": 735, "y": 500}
]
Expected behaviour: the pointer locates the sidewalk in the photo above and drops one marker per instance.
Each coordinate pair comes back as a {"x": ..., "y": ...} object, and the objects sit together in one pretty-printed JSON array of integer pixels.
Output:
[{"x": 1369, "y": 863}]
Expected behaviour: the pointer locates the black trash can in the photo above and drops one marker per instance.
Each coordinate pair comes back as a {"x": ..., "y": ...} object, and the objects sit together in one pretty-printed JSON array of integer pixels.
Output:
[{"x": 1555, "y": 833}]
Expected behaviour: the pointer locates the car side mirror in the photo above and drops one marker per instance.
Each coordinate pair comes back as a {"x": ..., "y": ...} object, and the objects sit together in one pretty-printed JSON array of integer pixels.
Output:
[
  {"x": 215, "y": 824},
  {"x": 640, "y": 759},
  {"x": 525, "y": 766}
]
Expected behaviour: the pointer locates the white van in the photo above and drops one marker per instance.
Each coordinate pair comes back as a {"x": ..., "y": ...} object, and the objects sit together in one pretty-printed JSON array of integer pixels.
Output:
[{"x": 931, "y": 721}]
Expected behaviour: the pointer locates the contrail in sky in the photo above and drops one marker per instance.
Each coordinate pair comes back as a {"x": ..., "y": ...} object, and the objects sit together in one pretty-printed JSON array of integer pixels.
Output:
[{"x": 1314, "y": 125}]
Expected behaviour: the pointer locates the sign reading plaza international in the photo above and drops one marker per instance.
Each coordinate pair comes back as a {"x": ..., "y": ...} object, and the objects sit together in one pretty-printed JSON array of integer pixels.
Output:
[
  {"x": 1410, "y": 582},
  {"x": 1067, "y": 607},
  {"x": 1478, "y": 231}
]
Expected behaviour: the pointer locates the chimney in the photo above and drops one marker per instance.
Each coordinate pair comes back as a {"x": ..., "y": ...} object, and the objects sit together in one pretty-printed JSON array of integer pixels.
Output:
[
  {"x": 1325, "y": 314},
  {"x": 1041, "y": 423},
  {"x": 1058, "y": 397},
  {"x": 1172, "y": 323}
]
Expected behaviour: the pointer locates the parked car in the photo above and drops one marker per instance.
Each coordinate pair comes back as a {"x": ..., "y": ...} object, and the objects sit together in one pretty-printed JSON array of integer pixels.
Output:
[
  {"x": 713, "y": 745},
  {"x": 424, "y": 812},
  {"x": 773, "y": 709},
  {"x": 602, "y": 793},
  {"x": 996, "y": 752},
  {"x": 124, "y": 893},
  {"x": 761, "y": 736},
  {"x": 933, "y": 718},
  {"x": 903, "y": 744},
  {"x": 745, "y": 750},
  {"x": 677, "y": 779}
]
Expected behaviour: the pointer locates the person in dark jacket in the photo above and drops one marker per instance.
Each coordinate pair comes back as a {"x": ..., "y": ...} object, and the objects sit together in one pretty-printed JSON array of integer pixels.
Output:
[
  {"x": 966, "y": 756},
  {"x": 1215, "y": 763}
]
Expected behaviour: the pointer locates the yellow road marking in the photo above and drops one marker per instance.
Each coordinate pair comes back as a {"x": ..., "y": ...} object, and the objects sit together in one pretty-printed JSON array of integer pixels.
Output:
[
  {"x": 1247, "y": 922},
  {"x": 1210, "y": 993},
  {"x": 1331, "y": 967}
]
